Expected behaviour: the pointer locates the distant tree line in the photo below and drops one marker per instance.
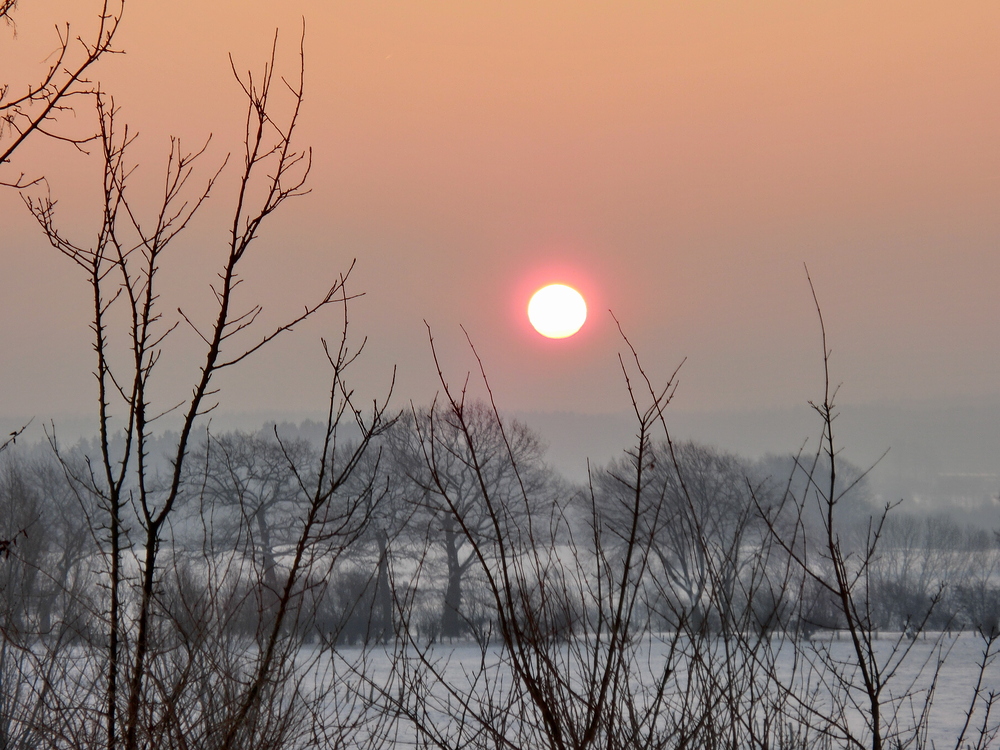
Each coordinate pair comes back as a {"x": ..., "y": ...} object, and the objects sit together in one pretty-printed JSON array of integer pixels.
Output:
[{"x": 708, "y": 547}]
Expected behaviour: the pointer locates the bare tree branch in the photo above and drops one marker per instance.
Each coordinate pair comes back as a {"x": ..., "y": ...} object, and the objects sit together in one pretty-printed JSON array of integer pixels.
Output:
[{"x": 64, "y": 80}]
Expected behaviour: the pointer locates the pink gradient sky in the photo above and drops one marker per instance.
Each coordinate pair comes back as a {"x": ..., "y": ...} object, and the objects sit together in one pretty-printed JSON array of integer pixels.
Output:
[{"x": 678, "y": 161}]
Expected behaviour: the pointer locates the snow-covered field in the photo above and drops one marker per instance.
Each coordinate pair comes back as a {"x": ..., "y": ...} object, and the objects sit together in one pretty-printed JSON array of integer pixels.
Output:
[
  {"x": 944, "y": 668},
  {"x": 347, "y": 683},
  {"x": 947, "y": 665}
]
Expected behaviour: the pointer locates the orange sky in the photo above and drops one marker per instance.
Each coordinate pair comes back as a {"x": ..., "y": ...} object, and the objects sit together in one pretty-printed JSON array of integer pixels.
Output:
[{"x": 678, "y": 160}]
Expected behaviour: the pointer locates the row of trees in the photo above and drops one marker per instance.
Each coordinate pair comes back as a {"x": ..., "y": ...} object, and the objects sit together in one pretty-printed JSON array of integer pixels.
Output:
[
  {"x": 436, "y": 530},
  {"x": 243, "y": 496}
]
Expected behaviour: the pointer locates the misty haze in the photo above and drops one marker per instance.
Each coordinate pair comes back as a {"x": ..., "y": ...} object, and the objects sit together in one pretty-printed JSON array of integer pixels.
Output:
[{"x": 499, "y": 375}]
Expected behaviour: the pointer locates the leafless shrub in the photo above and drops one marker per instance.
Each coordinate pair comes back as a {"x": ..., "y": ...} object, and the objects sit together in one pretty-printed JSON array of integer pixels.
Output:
[
  {"x": 574, "y": 663},
  {"x": 208, "y": 574}
]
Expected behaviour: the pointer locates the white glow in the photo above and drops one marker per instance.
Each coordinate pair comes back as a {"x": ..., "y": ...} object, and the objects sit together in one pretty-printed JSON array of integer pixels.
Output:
[{"x": 557, "y": 311}]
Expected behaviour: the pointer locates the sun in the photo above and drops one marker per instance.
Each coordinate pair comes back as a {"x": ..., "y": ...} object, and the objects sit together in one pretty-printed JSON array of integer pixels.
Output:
[{"x": 557, "y": 311}]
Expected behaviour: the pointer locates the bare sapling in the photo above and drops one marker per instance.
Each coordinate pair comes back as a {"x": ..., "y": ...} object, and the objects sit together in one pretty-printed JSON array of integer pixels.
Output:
[
  {"x": 155, "y": 665},
  {"x": 880, "y": 695},
  {"x": 569, "y": 601}
]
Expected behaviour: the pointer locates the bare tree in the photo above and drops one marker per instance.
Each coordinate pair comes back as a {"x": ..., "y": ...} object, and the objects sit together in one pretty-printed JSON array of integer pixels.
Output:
[
  {"x": 868, "y": 681},
  {"x": 602, "y": 678},
  {"x": 22, "y": 510},
  {"x": 7, "y": 542},
  {"x": 164, "y": 674},
  {"x": 43, "y": 583},
  {"x": 455, "y": 463},
  {"x": 697, "y": 512},
  {"x": 34, "y": 106},
  {"x": 553, "y": 682},
  {"x": 250, "y": 478}
]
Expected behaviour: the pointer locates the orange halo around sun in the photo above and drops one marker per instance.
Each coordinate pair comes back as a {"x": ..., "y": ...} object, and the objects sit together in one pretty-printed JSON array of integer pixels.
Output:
[{"x": 557, "y": 311}]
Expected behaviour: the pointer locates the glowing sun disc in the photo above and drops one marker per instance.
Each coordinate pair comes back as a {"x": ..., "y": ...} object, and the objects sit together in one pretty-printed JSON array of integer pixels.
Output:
[{"x": 557, "y": 311}]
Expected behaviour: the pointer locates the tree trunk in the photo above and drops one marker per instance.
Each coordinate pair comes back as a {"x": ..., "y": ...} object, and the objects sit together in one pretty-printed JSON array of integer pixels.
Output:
[
  {"x": 451, "y": 620},
  {"x": 269, "y": 591},
  {"x": 382, "y": 614}
]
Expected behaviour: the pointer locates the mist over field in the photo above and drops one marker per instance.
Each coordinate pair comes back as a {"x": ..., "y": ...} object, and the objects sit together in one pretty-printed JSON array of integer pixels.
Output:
[
  {"x": 938, "y": 456},
  {"x": 941, "y": 456}
]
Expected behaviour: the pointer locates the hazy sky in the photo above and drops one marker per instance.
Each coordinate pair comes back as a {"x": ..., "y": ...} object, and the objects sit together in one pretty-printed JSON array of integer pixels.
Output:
[{"x": 678, "y": 161}]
